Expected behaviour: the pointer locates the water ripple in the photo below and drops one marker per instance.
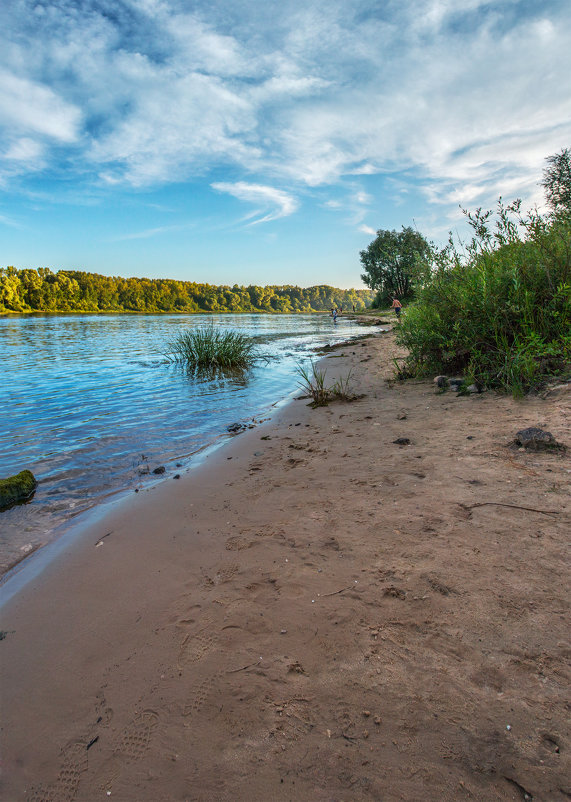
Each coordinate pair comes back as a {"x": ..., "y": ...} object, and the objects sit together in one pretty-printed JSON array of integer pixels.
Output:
[{"x": 90, "y": 404}]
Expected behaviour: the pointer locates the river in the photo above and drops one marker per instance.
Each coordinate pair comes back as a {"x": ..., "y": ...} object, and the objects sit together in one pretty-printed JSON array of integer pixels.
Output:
[{"x": 90, "y": 405}]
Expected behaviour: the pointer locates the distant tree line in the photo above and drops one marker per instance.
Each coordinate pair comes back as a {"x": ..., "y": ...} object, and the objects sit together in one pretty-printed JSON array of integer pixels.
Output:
[{"x": 42, "y": 290}]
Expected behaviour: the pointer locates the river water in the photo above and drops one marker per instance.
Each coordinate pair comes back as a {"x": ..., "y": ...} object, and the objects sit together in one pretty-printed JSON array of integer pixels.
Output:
[{"x": 89, "y": 404}]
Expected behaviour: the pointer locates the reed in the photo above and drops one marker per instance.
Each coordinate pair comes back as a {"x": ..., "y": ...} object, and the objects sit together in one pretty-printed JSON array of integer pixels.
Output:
[
  {"x": 208, "y": 347},
  {"x": 314, "y": 385}
]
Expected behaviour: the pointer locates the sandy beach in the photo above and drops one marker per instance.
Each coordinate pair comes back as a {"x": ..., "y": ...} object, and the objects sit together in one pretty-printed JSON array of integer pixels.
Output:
[{"x": 316, "y": 613}]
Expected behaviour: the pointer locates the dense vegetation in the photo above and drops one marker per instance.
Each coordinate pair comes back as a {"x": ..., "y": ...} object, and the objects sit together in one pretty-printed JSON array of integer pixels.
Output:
[
  {"x": 396, "y": 263},
  {"x": 500, "y": 311},
  {"x": 75, "y": 291}
]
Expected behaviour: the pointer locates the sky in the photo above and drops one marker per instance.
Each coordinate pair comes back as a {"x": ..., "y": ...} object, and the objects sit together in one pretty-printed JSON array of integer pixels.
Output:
[{"x": 265, "y": 141}]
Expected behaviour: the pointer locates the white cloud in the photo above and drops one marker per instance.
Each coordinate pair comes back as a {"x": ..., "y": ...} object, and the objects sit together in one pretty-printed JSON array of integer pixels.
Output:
[
  {"x": 467, "y": 95},
  {"x": 25, "y": 150},
  {"x": 368, "y": 230},
  {"x": 279, "y": 203},
  {"x": 27, "y": 106}
]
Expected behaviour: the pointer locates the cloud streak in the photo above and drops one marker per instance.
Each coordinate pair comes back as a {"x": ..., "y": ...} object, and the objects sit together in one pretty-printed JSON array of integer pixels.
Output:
[
  {"x": 470, "y": 95},
  {"x": 273, "y": 203}
]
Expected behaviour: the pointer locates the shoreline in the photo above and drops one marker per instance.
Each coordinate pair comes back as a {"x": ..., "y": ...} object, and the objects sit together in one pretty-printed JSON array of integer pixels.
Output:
[
  {"x": 316, "y": 613},
  {"x": 57, "y": 508}
]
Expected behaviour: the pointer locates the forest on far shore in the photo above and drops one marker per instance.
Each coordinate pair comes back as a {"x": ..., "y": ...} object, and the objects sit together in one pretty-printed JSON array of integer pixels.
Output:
[{"x": 42, "y": 290}]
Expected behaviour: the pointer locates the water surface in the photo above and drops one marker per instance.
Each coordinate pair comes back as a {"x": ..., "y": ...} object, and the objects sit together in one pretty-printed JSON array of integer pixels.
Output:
[{"x": 90, "y": 406}]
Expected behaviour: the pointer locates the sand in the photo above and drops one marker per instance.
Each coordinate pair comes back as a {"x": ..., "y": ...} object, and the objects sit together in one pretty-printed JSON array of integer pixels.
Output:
[{"x": 317, "y": 613}]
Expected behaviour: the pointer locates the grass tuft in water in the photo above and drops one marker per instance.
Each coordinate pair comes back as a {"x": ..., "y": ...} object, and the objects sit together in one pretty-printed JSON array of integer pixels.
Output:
[{"x": 208, "y": 347}]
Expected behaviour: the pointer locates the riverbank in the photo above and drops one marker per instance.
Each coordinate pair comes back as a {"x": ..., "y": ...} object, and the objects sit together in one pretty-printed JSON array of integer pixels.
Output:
[
  {"x": 95, "y": 408},
  {"x": 318, "y": 613}
]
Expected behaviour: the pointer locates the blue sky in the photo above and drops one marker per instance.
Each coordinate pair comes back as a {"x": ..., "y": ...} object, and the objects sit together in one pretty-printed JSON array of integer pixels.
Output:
[{"x": 264, "y": 142}]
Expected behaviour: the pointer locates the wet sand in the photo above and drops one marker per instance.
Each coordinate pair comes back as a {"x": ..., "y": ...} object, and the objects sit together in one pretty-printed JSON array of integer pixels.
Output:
[{"x": 317, "y": 613}]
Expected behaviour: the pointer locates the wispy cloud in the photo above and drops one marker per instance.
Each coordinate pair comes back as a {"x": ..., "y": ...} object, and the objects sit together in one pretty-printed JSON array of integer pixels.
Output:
[
  {"x": 367, "y": 230},
  {"x": 272, "y": 203},
  {"x": 470, "y": 95},
  {"x": 151, "y": 232}
]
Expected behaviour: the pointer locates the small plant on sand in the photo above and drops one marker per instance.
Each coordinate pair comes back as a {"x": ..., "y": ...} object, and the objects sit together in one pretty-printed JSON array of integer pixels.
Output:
[
  {"x": 341, "y": 388},
  {"x": 208, "y": 347},
  {"x": 313, "y": 384}
]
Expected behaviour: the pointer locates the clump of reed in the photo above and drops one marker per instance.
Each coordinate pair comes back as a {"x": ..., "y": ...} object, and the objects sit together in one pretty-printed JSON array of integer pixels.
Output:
[
  {"x": 313, "y": 384},
  {"x": 207, "y": 347}
]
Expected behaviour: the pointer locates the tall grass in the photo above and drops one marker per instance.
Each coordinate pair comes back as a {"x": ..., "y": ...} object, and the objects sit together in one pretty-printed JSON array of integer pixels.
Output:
[
  {"x": 501, "y": 311},
  {"x": 210, "y": 348},
  {"x": 314, "y": 386}
]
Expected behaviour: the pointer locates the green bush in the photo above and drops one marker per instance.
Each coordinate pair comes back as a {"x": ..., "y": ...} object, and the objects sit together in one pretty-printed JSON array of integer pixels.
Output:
[{"x": 500, "y": 313}]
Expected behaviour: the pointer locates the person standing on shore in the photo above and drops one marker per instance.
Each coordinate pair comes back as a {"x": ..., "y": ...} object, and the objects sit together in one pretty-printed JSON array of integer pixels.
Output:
[{"x": 397, "y": 306}]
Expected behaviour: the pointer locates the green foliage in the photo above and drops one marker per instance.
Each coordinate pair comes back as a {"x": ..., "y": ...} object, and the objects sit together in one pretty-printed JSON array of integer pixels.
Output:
[
  {"x": 396, "y": 263},
  {"x": 557, "y": 182},
  {"x": 210, "y": 348},
  {"x": 501, "y": 313},
  {"x": 314, "y": 386},
  {"x": 75, "y": 291}
]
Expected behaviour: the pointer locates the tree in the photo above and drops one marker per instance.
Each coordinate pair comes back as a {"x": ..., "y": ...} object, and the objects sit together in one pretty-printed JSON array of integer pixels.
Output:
[
  {"x": 395, "y": 263},
  {"x": 557, "y": 182}
]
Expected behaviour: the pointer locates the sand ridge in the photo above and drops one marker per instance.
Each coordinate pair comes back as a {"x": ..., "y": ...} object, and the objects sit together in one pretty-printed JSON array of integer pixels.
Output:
[{"x": 318, "y": 614}]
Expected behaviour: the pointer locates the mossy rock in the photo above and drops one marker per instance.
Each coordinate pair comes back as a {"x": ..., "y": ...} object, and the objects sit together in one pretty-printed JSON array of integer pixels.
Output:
[{"x": 16, "y": 488}]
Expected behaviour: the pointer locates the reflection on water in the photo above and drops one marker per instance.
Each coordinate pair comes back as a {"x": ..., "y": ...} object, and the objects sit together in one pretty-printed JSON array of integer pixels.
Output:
[{"x": 90, "y": 405}]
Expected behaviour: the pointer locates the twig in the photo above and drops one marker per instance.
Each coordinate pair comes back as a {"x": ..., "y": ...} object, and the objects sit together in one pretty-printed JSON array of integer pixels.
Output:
[
  {"x": 335, "y": 592},
  {"x": 250, "y": 665},
  {"x": 514, "y": 506}
]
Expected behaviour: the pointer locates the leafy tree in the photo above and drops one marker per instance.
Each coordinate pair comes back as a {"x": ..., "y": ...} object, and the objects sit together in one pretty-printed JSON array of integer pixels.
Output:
[
  {"x": 396, "y": 262},
  {"x": 557, "y": 182},
  {"x": 73, "y": 290}
]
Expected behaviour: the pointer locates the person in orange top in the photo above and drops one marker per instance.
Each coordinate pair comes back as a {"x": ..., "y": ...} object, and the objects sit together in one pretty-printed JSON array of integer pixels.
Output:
[{"x": 397, "y": 306}]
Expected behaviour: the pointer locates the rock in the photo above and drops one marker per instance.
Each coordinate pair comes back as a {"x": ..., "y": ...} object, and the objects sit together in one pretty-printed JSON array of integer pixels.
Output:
[
  {"x": 557, "y": 390},
  {"x": 16, "y": 488},
  {"x": 536, "y": 439},
  {"x": 402, "y": 441},
  {"x": 160, "y": 469},
  {"x": 235, "y": 427},
  {"x": 473, "y": 388},
  {"x": 441, "y": 381}
]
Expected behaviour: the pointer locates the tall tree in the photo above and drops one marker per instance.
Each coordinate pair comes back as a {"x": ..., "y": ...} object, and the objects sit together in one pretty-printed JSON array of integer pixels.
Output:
[
  {"x": 395, "y": 263},
  {"x": 557, "y": 181}
]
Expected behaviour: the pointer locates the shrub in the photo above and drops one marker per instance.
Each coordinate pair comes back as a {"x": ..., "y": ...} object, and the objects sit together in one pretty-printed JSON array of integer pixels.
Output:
[
  {"x": 208, "y": 347},
  {"x": 501, "y": 313}
]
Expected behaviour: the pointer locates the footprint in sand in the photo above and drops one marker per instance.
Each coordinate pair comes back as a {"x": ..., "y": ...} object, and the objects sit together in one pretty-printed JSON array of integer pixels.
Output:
[
  {"x": 195, "y": 647},
  {"x": 200, "y": 697},
  {"x": 136, "y": 738},
  {"x": 74, "y": 764},
  {"x": 131, "y": 746},
  {"x": 226, "y": 572},
  {"x": 238, "y": 544}
]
